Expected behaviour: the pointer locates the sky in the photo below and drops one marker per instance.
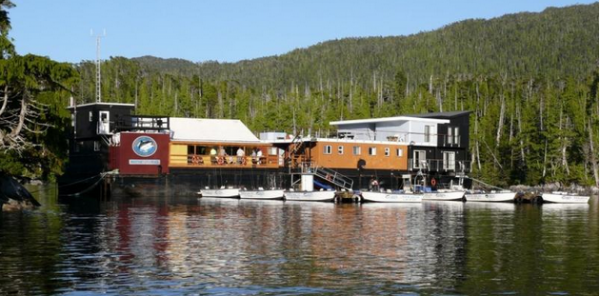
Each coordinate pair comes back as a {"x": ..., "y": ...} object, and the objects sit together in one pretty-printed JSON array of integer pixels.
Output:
[{"x": 230, "y": 31}]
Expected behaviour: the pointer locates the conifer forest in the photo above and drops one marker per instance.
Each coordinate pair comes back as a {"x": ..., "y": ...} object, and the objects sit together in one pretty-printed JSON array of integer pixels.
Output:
[{"x": 529, "y": 79}]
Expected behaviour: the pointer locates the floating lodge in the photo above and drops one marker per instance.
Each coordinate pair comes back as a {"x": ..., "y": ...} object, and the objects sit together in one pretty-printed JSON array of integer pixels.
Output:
[{"x": 110, "y": 147}]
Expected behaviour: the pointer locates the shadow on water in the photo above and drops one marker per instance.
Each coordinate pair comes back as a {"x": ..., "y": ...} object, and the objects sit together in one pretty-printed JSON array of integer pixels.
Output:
[{"x": 159, "y": 243}]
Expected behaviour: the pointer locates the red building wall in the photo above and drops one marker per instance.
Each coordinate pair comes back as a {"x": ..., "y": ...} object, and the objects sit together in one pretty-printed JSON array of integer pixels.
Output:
[{"x": 141, "y": 154}]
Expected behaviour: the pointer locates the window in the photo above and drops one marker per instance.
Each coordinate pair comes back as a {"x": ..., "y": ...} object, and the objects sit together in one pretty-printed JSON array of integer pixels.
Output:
[
  {"x": 327, "y": 149},
  {"x": 201, "y": 150},
  {"x": 340, "y": 150},
  {"x": 456, "y": 135},
  {"x": 372, "y": 151},
  {"x": 356, "y": 150},
  {"x": 272, "y": 150},
  {"x": 427, "y": 134},
  {"x": 386, "y": 152},
  {"x": 91, "y": 116},
  {"x": 78, "y": 146},
  {"x": 73, "y": 120},
  {"x": 96, "y": 146},
  {"x": 450, "y": 138},
  {"x": 449, "y": 161},
  {"x": 419, "y": 159},
  {"x": 399, "y": 152}
]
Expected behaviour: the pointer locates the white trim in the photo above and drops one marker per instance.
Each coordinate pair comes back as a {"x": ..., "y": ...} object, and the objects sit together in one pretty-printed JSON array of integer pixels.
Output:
[
  {"x": 354, "y": 141},
  {"x": 196, "y": 141},
  {"x": 389, "y": 119}
]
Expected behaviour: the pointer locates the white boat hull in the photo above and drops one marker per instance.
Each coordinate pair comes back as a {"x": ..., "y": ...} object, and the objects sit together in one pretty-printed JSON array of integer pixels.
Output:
[
  {"x": 491, "y": 197},
  {"x": 224, "y": 193},
  {"x": 310, "y": 195},
  {"x": 391, "y": 197},
  {"x": 565, "y": 198},
  {"x": 261, "y": 194},
  {"x": 444, "y": 195}
]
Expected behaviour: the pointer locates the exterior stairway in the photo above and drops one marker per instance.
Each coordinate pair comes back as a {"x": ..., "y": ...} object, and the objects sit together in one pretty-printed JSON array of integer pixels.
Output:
[{"x": 334, "y": 177}]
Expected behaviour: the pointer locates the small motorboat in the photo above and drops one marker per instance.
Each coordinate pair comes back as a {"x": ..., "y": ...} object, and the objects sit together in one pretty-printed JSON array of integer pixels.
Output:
[
  {"x": 564, "y": 197},
  {"x": 391, "y": 197},
  {"x": 502, "y": 196},
  {"x": 221, "y": 192},
  {"x": 262, "y": 194},
  {"x": 444, "y": 195},
  {"x": 309, "y": 195}
]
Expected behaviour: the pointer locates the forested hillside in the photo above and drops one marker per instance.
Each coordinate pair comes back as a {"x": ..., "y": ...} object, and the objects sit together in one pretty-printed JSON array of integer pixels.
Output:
[{"x": 531, "y": 80}]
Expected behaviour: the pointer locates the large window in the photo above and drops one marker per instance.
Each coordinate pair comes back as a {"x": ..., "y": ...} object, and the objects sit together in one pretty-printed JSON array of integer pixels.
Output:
[
  {"x": 356, "y": 150},
  {"x": 327, "y": 149},
  {"x": 449, "y": 160},
  {"x": 419, "y": 159},
  {"x": 456, "y": 136},
  {"x": 427, "y": 134},
  {"x": 197, "y": 150},
  {"x": 452, "y": 137}
]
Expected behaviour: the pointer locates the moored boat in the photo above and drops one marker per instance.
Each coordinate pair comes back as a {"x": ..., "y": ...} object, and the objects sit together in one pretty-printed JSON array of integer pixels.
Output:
[
  {"x": 444, "y": 195},
  {"x": 309, "y": 195},
  {"x": 564, "y": 197},
  {"x": 223, "y": 193},
  {"x": 261, "y": 194},
  {"x": 503, "y": 196},
  {"x": 391, "y": 197}
]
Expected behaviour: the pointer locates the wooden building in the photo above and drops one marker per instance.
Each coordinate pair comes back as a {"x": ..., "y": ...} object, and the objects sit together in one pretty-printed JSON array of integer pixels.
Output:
[{"x": 108, "y": 137}]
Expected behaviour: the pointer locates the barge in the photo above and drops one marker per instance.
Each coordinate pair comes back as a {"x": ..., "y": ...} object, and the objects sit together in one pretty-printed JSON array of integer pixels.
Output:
[{"x": 113, "y": 150}]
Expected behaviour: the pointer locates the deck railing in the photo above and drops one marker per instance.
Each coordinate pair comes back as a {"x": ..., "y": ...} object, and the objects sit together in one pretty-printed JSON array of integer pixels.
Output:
[
  {"x": 439, "y": 165},
  {"x": 191, "y": 160}
]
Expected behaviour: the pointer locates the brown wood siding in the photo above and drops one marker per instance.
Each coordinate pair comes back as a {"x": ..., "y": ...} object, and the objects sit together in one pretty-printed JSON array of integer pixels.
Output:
[{"x": 348, "y": 160}]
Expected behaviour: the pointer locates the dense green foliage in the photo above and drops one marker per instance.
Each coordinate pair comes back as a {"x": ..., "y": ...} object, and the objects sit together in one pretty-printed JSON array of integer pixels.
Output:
[
  {"x": 33, "y": 92},
  {"x": 530, "y": 79}
]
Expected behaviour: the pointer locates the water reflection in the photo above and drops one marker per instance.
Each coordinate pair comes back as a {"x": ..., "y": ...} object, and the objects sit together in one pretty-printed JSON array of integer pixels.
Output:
[{"x": 166, "y": 244}]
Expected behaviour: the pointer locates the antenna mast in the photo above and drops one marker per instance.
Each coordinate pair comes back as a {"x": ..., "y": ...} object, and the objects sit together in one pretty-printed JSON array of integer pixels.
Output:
[{"x": 98, "y": 72}]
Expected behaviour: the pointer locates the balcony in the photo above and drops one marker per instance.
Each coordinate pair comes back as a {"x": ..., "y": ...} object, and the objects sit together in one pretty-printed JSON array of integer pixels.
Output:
[
  {"x": 208, "y": 161},
  {"x": 439, "y": 165},
  {"x": 141, "y": 123}
]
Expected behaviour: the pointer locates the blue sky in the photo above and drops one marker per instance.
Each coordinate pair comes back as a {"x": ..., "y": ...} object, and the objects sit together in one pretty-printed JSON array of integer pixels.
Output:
[{"x": 229, "y": 31}]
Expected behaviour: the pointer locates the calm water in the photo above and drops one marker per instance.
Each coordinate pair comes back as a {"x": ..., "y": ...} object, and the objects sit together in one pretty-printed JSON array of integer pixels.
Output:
[{"x": 182, "y": 245}]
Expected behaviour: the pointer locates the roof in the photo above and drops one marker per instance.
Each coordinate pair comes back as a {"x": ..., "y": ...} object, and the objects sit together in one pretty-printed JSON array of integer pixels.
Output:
[
  {"x": 101, "y": 104},
  {"x": 389, "y": 119},
  {"x": 442, "y": 114},
  {"x": 210, "y": 130}
]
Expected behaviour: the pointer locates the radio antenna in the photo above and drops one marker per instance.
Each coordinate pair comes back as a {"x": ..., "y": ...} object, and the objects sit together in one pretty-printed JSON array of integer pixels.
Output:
[{"x": 98, "y": 61}]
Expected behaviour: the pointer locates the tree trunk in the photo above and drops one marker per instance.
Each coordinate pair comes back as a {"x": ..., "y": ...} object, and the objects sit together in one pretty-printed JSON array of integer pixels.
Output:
[
  {"x": 500, "y": 121},
  {"x": 24, "y": 103},
  {"x": 4, "y": 100},
  {"x": 593, "y": 153}
]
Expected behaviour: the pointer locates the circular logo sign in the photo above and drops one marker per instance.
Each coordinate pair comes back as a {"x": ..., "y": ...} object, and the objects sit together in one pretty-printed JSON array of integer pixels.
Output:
[{"x": 144, "y": 146}]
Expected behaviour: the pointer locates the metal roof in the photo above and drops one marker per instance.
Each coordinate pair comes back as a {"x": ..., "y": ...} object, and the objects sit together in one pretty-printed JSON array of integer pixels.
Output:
[
  {"x": 101, "y": 104},
  {"x": 441, "y": 114},
  {"x": 389, "y": 119},
  {"x": 211, "y": 130}
]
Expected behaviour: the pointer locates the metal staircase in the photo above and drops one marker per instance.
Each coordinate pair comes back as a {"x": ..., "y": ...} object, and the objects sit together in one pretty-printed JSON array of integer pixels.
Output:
[
  {"x": 297, "y": 144},
  {"x": 334, "y": 177}
]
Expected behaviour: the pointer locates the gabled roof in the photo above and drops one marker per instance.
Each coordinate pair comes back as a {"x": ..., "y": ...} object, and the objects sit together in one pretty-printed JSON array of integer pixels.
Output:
[
  {"x": 211, "y": 130},
  {"x": 452, "y": 114},
  {"x": 389, "y": 119}
]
